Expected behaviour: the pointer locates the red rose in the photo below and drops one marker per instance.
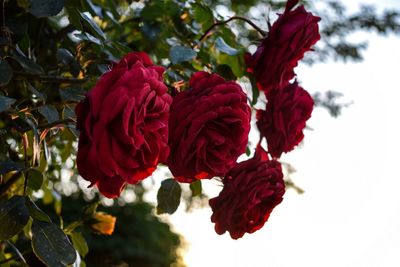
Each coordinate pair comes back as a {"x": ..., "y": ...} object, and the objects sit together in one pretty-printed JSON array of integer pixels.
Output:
[
  {"x": 284, "y": 119},
  {"x": 292, "y": 34},
  {"x": 208, "y": 128},
  {"x": 123, "y": 123},
  {"x": 252, "y": 189}
]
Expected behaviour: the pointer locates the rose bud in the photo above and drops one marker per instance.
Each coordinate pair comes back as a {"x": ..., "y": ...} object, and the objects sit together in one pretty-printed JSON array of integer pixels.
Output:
[
  {"x": 252, "y": 189},
  {"x": 208, "y": 128},
  {"x": 292, "y": 34},
  {"x": 284, "y": 119},
  {"x": 123, "y": 123}
]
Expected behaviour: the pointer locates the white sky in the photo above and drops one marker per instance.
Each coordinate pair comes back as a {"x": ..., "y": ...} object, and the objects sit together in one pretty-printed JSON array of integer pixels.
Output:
[{"x": 350, "y": 212}]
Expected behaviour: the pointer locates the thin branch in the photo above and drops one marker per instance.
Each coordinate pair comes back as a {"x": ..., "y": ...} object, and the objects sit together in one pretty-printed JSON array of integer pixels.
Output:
[
  {"x": 50, "y": 79},
  {"x": 229, "y": 20},
  {"x": 55, "y": 123}
]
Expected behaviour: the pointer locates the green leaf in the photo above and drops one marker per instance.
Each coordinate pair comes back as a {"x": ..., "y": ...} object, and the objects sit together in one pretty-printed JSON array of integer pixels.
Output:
[
  {"x": 74, "y": 17},
  {"x": 168, "y": 196},
  {"x": 179, "y": 54},
  {"x": 35, "y": 212},
  {"x": 248, "y": 152},
  {"x": 79, "y": 243},
  {"x": 225, "y": 71},
  {"x": 6, "y": 103},
  {"x": 9, "y": 165},
  {"x": 51, "y": 245},
  {"x": 88, "y": 37},
  {"x": 222, "y": 46},
  {"x": 255, "y": 91},
  {"x": 93, "y": 27},
  {"x": 203, "y": 15},
  {"x": 64, "y": 56},
  {"x": 49, "y": 112},
  {"x": 13, "y": 217},
  {"x": 33, "y": 90},
  {"x": 74, "y": 94},
  {"x": 196, "y": 188},
  {"x": 35, "y": 179},
  {"x": 6, "y": 73},
  {"x": 45, "y": 8},
  {"x": 28, "y": 64}
]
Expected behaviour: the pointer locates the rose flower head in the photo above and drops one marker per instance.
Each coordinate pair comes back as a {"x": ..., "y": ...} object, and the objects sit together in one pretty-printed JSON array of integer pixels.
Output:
[
  {"x": 284, "y": 119},
  {"x": 123, "y": 123},
  {"x": 208, "y": 128},
  {"x": 252, "y": 189},
  {"x": 292, "y": 34}
]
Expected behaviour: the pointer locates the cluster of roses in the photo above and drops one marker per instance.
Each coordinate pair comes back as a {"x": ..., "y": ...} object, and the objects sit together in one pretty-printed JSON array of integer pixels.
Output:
[{"x": 129, "y": 123}]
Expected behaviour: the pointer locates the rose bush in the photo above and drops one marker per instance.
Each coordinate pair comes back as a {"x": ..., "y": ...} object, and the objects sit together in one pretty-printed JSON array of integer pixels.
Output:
[
  {"x": 292, "y": 34},
  {"x": 208, "y": 128},
  {"x": 251, "y": 191},
  {"x": 123, "y": 123},
  {"x": 284, "y": 119}
]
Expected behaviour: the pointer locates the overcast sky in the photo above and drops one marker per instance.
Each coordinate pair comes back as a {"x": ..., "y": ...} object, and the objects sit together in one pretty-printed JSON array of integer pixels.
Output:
[{"x": 350, "y": 212}]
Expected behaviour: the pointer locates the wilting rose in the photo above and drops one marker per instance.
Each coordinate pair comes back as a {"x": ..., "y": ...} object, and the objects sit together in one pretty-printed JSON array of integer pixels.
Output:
[
  {"x": 123, "y": 123},
  {"x": 292, "y": 34},
  {"x": 284, "y": 119},
  {"x": 251, "y": 191},
  {"x": 103, "y": 223},
  {"x": 208, "y": 128}
]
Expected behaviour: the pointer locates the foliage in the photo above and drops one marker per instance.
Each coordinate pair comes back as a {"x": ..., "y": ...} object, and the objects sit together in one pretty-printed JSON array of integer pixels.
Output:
[{"x": 52, "y": 52}]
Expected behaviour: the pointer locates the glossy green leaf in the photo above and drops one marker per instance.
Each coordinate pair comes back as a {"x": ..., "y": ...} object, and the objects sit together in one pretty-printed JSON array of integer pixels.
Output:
[
  {"x": 196, "y": 188},
  {"x": 49, "y": 112},
  {"x": 35, "y": 212},
  {"x": 168, "y": 196},
  {"x": 45, "y": 8},
  {"x": 79, "y": 243},
  {"x": 222, "y": 46},
  {"x": 64, "y": 56},
  {"x": 6, "y": 72},
  {"x": 6, "y": 103},
  {"x": 28, "y": 64},
  {"x": 180, "y": 54},
  {"x": 93, "y": 27},
  {"x": 13, "y": 217},
  {"x": 51, "y": 245},
  {"x": 35, "y": 179}
]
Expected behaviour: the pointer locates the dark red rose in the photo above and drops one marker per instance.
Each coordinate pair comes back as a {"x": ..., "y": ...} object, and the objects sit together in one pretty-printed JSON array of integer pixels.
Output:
[
  {"x": 252, "y": 189},
  {"x": 208, "y": 128},
  {"x": 292, "y": 34},
  {"x": 284, "y": 119},
  {"x": 123, "y": 123}
]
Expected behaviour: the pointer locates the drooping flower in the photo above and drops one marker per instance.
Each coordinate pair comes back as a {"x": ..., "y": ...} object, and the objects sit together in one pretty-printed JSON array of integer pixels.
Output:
[
  {"x": 252, "y": 189},
  {"x": 285, "y": 116},
  {"x": 292, "y": 34}
]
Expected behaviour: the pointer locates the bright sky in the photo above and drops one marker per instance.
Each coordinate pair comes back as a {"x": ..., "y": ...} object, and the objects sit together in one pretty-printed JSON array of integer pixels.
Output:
[{"x": 350, "y": 212}]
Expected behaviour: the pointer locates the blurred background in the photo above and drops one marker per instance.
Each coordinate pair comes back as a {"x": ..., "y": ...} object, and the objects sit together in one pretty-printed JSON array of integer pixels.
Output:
[{"x": 342, "y": 206}]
